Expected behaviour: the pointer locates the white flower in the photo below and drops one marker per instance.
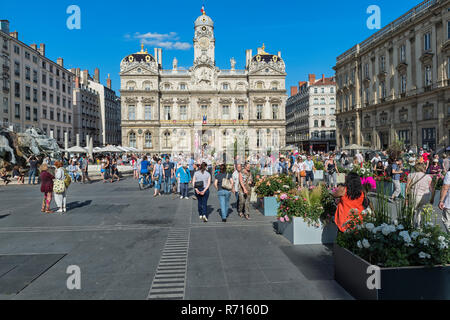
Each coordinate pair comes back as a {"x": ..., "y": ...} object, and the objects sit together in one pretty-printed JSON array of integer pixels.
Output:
[
  {"x": 387, "y": 229},
  {"x": 365, "y": 243},
  {"x": 441, "y": 238},
  {"x": 359, "y": 244},
  {"x": 396, "y": 222},
  {"x": 423, "y": 255},
  {"x": 415, "y": 234},
  {"x": 400, "y": 227},
  {"x": 370, "y": 226},
  {"x": 424, "y": 241}
]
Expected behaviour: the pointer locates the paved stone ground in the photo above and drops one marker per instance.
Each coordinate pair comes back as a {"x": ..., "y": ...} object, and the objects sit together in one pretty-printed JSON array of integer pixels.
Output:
[{"x": 116, "y": 234}]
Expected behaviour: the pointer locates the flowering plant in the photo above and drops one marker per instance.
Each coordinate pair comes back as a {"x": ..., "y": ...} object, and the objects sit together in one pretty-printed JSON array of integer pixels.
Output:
[
  {"x": 383, "y": 177},
  {"x": 273, "y": 185},
  {"x": 404, "y": 177},
  {"x": 393, "y": 245},
  {"x": 364, "y": 171},
  {"x": 314, "y": 205},
  {"x": 368, "y": 183}
]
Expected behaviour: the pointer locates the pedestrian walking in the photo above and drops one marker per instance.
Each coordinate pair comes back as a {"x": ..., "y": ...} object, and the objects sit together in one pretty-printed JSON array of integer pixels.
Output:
[
  {"x": 396, "y": 171},
  {"x": 33, "y": 162},
  {"x": 444, "y": 202},
  {"x": 85, "y": 169},
  {"x": 46, "y": 188},
  {"x": 236, "y": 184},
  {"x": 184, "y": 177},
  {"x": 202, "y": 182},
  {"x": 224, "y": 184},
  {"x": 419, "y": 189},
  {"x": 245, "y": 180},
  {"x": 167, "y": 175},
  {"x": 157, "y": 176},
  {"x": 332, "y": 171},
  {"x": 309, "y": 168},
  {"x": 61, "y": 196}
]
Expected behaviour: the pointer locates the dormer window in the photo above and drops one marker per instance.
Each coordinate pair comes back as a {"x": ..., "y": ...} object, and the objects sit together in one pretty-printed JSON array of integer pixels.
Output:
[
  {"x": 226, "y": 86},
  {"x": 182, "y": 86},
  {"x": 167, "y": 86}
]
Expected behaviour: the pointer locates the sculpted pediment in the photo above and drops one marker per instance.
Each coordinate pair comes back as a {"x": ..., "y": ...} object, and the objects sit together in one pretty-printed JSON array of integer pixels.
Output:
[{"x": 137, "y": 68}]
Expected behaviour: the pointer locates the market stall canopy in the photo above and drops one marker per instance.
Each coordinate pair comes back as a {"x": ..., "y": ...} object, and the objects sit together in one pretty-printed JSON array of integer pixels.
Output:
[
  {"x": 77, "y": 149},
  {"x": 355, "y": 147},
  {"x": 111, "y": 149}
]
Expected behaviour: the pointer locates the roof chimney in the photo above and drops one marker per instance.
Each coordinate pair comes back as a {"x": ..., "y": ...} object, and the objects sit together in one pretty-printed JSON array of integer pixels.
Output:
[
  {"x": 77, "y": 82},
  {"x": 97, "y": 75},
  {"x": 4, "y": 26},
  {"x": 312, "y": 79},
  {"x": 60, "y": 62},
  {"x": 323, "y": 77},
  {"x": 108, "y": 82},
  {"x": 33, "y": 46},
  {"x": 294, "y": 91},
  {"x": 42, "y": 49},
  {"x": 14, "y": 34}
]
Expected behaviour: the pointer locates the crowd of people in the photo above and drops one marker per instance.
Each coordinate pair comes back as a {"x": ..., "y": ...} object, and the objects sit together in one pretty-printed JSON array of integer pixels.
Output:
[{"x": 176, "y": 174}]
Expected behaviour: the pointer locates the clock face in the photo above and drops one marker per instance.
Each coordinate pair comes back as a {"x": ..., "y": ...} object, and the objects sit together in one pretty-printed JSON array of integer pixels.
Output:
[{"x": 204, "y": 43}]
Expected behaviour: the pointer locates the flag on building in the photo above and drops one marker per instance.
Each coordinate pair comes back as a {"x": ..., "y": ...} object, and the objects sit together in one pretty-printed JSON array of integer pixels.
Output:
[
  {"x": 203, "y": 10},
  {"x": 205, "y": 119}
]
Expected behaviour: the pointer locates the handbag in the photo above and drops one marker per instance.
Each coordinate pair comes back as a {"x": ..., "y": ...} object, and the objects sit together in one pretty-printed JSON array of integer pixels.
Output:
[
  {"x": 199, "y": 185},
  {"x": 303, "y": 173},
  {"x": 226, "y": 184},
  {"x": 59, "y": 186}
]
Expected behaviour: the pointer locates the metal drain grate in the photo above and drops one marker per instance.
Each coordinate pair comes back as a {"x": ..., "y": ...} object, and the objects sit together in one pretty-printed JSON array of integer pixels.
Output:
[{"x": 169, "y": 282}]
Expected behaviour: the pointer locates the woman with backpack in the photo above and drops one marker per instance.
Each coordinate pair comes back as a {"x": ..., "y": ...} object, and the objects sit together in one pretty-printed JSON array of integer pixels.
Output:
[
  {"x": 224, "y": 185},
  {"x": 60, "y": 192}
]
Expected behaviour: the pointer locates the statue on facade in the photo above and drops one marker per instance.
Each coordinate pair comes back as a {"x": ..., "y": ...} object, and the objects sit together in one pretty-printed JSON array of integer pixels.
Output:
[
  {"x": 175, "y": 63},
  {"x": 233, "y": 63}
]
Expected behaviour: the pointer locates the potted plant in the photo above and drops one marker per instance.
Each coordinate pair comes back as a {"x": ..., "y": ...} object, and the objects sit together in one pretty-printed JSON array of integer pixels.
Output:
[
  {"x": 267, "y": 188},
  {"x": 318, "y": 174},
  {"x": 305, "y": 216},
  {"x": 379, "y": 258}
]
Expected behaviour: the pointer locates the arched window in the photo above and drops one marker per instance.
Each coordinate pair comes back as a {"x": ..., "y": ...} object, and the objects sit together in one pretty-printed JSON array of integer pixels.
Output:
[
  {"x": 131, "y": 85},
  {"x": 148, "y": 140},
  {"x": 260, "y": 85},
  {"x": 132, "y": 140},
  {"x": 274, "y": 85},
  {"x": 147, "y": 86},
  {"x": 166, "y": 139}
]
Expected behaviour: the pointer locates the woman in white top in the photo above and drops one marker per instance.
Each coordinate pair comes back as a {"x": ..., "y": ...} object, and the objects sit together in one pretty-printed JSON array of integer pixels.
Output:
[
  {"x": 419, "y": 187},
  {"x": 60, "y": 198}
]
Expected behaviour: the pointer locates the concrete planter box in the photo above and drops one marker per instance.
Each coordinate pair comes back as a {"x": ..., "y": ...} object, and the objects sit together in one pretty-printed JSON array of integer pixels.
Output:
[
  {"x": 406, "y": 283},
  {"x": 270, "y": 206},
  {"x": 298, "y": 232},
  {"x": 318, "y": 175}
]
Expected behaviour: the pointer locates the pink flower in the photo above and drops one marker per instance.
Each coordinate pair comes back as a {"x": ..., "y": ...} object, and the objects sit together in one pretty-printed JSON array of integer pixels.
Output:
[
  {"x": 287, "y": 218},
  {"x": 281, "y": 219},
  {"x": 283, "y": 196},
  {"x": 304, "y": 199}
]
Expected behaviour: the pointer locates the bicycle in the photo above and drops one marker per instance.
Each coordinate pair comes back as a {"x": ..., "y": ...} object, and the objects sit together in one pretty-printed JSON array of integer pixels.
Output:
[{"x": 144, "y": 181}]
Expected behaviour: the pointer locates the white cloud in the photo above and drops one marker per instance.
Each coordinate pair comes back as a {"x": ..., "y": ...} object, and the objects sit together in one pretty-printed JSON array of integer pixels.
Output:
[{"x": 167, "y": 41}]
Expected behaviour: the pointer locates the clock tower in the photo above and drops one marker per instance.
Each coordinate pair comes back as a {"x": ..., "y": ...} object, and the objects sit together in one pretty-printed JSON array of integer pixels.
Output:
[{"x": 204, "y": 41}]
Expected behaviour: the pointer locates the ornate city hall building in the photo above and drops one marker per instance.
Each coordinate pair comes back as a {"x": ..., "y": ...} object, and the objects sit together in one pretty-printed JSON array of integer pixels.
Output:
[{"x": 203, "y": 108}]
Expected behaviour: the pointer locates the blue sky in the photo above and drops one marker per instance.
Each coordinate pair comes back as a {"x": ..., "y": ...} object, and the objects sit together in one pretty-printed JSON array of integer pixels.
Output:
[{"x": 310, "y": 34}]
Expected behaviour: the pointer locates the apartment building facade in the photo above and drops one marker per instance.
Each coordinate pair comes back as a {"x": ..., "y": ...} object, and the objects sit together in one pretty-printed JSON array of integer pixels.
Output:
[
  {"x": 395, "y": 84},
  {"x": 101, "y": 118},
  {"x": 310, "y": 115},
  {"x": 36, "y": 91}
]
